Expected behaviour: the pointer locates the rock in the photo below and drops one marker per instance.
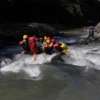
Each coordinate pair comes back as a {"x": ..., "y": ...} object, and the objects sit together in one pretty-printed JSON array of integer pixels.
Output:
[
  {"x": 98, "y": 40},
  {"x": 14, "y": 32},
  {"x": 81, "y": 41},
  {"x": 44, "y": 29},
  {"x": 97, "y": 28}
]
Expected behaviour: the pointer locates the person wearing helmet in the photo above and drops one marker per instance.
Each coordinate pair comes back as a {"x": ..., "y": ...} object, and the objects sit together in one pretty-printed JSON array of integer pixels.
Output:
[
  {"x": 33, "y": 47},
  {"x": 48, "y": 38},
  {"x": 45, "y": 46},
  {"x": 45, "y": 40},
  {"x": 39, "y": 44},
  {"x": 64, "y": 48},
  {"x": 53, "y": 40},
  {"x": 45, "y": 37},
  {"x": 48, "y": 47},
  {"x": 48, "y": 42},
  {"x": 91, "y": 33},
  {"x": 56, "y": 47},
  {"x": 24, "y": 44},
  {"x": 25, "y": 36}
]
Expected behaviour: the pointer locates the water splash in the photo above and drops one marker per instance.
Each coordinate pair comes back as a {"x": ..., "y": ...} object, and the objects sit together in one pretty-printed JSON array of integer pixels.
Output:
[
  {"x": 23, "y": 63},
  {"x": 88, "y": 56}
]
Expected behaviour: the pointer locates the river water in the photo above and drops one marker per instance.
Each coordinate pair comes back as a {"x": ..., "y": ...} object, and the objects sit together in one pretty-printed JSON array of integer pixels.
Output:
[{"x": 74, "y": 76}]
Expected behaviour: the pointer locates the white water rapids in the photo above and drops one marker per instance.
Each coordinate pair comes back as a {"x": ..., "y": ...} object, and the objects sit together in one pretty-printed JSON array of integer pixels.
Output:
[{"x": 81, "y": 55}]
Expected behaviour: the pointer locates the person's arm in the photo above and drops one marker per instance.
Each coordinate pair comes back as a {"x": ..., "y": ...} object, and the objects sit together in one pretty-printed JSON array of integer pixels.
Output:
[{"x": 21, "y": 42}]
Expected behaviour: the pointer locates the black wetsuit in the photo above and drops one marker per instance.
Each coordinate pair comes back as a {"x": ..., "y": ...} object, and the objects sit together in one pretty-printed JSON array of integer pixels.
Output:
[{"x": 25, "y": 46}]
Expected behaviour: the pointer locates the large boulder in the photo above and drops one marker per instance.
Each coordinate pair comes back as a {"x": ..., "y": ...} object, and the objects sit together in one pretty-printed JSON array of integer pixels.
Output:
[
  {"x": 97, "y": 28},
  {"x": 43, "y": 29},
  {"x": 14, "y": 32},
  {"x": 85, "y": 41}
]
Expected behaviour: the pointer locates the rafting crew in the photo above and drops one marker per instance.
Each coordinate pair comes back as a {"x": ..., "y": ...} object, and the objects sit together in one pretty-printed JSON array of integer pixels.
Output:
[{"x": 36, "y": 45}]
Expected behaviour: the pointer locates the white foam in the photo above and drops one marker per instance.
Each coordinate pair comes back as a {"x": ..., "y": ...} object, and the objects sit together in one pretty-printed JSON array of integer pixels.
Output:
[
  {"x": 32, "y": 71},
  {"x": 13, "y": 67},
  {"x": 23, "y": 63},
  {"x": 42, "y": 58},
  {"x": 79, "y": 56},
  {"x": 18, "y": 66}
]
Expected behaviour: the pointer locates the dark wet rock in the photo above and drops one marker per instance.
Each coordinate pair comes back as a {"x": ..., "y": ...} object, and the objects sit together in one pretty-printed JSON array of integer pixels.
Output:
[
  {"x": 98, "y": 40},
  {"x": 43, "y": 29},
  {"x": 85, "y": 41},
  {"x": 13, "y": 32},
  {"x": 57, "y": 58},
  {"x": 81, "y": 41}
]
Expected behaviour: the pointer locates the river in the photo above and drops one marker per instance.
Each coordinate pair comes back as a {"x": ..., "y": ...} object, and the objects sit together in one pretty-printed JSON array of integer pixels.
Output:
[{"x": 74, "y": 76}]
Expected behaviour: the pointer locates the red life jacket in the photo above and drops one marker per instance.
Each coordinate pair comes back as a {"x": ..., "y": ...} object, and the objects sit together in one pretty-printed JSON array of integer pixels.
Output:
[
  {"x": 56, "y": 46},
  {"x": 85, "y": 28},
  {"x": 32, "y": 45},
  {"x": 31, "y": 39},
  {"x": 37, "y": 39},
  {"x": 53, "y": 40},
  {"x": 49, "y": 45}
]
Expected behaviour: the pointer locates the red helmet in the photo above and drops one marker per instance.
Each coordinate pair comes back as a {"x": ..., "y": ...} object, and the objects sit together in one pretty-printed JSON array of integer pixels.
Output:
[
  {"x": 48, "y": 38},
  {"x": 53, "y": 40}
]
